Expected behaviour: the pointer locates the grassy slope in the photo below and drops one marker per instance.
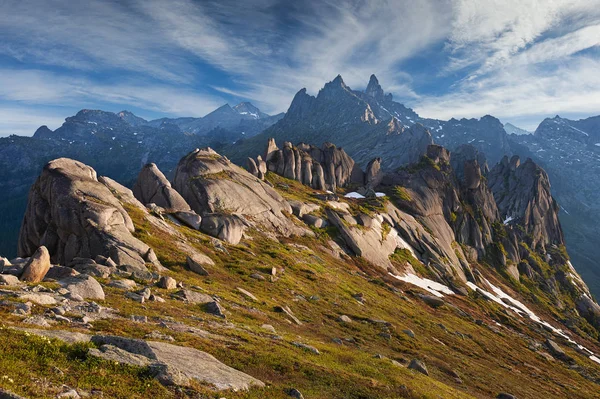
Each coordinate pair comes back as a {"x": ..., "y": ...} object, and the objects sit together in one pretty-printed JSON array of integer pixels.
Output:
[{"x": 318, "y": 288}]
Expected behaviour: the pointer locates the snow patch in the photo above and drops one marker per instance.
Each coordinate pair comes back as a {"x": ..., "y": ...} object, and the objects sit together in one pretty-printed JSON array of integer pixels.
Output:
[
  {"x": 508, "y": 220},
  {"x": 354, "y": 195},
  {"x": 430, "y": 286}
]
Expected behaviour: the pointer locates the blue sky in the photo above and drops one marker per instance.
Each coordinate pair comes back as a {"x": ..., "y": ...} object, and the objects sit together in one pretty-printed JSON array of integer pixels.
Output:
[{"x": 520, "y": 60}]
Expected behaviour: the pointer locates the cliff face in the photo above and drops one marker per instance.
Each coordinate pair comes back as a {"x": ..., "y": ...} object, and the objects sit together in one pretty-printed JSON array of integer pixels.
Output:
[{"x": 522, "y": 192}]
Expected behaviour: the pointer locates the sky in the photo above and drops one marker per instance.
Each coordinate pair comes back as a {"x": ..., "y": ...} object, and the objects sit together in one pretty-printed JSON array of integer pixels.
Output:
[{"x": 519, "y": 60}]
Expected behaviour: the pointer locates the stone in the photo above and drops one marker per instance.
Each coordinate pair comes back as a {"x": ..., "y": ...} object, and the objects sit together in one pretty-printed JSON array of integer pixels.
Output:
[
  {"x": 4, "y": 394},
  {"x": 294, "y": 393},
  {"x": 269, "y": 328},
  {"x": 91, "y": 268},
  {"x": 432, "y": 301},
  {"x": 306, "y": 347},
  {"x": 419, "y": 366},
  {"x": 8, "y": 279},
  {"x": 214, "y": 308},
  {"x": 40, "y": 299},
  {"x": 175, "y": 364},
  {"x": 135, "y": 297},
  {"x": 229, "y": 228},
  {"x": 37, "y": 320},
  {"x": 300, "y": 208},
  {"x": 557, "y": 351},
  {"x": 345, "y": 319},
  {"x": 124, "y": 284},
  {"x": 85, "y": 286},
  {"x": 193, "y": 297},
  {"x": 409, "y": 332},
  {"x": 247, "y": 294},
  {"x": 70, "y": 394},
  {"x": 189, "y": 218},
  {"x": 503, "y": 395},
  {"x": 58, "y": 272},
  {"x": 152, "y": 187},
  {"x": 38, "y": 265},
  {"x": 257, "y": 276},
  {"x": 315, "y": 221},
  {"x": 196, "y": 263},
  {"x": 288, "y": 312},
  {"x": 168, "y": 283}
]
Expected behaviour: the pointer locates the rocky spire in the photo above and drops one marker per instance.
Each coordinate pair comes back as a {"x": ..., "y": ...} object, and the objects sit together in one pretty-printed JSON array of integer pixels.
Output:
[
  {"x": 522, "y": 192},
  {"x": 374, "y": 89}
]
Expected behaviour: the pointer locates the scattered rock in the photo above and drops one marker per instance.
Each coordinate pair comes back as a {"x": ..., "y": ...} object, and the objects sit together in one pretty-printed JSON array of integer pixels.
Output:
[
  {"x": 557, "y": 351},
  {"x": 168, "y": 283},
  {"x": 214, "y": 308},
  {"x": 345, "y": 319},
  {"x": 419, "y": 366},
  {"x": 40, "y": 299},
  {"x": 70, "y": 394},
  {"x": 503, "y": 395},
  {"x": 35, "y": 270},
  {"x": 193, "y": 297},
  {"x": 432, "y": 301},
  {"x": 85, "y": 286},
  {"x": 124, "y": 284},
  {"x": 247, "y": 294},
  {"x": 196, "y": 263},
  {"x": 37, "y": 320},
  {"x": 294, "y": 393},
  {"x": 58, "y": 272},
  {"x": 269, "y": 328},
  {"x": 257, "y": 276},
  {"x": 4, "y": 394},
  {"x": 288, "y": 312},
  {"x": 409, "y": 332},
  {"x": 309, "y": 348},
  {"x": 8, "y": 279}
]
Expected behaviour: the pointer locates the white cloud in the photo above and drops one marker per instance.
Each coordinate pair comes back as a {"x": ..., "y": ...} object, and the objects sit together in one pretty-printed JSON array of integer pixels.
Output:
[
  {"x": 42, "y": 87},
  {"x": 24, "y": 120},
  {"x": 522, "y": 92}
]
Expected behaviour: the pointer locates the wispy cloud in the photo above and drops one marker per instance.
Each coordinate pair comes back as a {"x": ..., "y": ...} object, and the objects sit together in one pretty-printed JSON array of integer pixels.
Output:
[
  {"x": 185, "y": 57},
  {"x": 33, "y": 87}
]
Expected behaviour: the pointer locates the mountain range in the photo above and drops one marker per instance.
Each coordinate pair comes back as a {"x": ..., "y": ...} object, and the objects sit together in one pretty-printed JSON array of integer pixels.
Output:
[{"x": 366, "y": 124}]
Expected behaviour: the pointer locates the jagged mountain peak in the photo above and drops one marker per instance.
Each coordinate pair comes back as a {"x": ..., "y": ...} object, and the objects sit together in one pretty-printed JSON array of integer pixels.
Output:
[{"x": 374, "y": 89}]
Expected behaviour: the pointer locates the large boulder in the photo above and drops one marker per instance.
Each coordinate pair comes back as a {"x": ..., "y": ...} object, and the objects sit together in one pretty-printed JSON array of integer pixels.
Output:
[
  {"x": 73, "y": 214},
  {"x": 38, "y": 265},
  {"x": 172, "y": 364},
  {"x": 211, "y": 184},
  {"x": 228, "y": 228},
  {"x": 152, "y": 187}
]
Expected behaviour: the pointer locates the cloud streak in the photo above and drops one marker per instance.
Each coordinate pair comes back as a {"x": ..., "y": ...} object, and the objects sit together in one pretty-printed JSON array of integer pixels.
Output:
[{"x": 185, "y": 57}]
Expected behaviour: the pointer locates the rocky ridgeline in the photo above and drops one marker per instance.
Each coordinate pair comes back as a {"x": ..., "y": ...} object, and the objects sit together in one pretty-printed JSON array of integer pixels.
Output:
[
  {"x": 326, "y": 168},
  {"x": 448, "y": 212}
]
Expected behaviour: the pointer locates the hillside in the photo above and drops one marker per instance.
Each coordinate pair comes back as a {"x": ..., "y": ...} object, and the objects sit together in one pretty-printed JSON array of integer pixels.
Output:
[{"x": 439, "y": 280}]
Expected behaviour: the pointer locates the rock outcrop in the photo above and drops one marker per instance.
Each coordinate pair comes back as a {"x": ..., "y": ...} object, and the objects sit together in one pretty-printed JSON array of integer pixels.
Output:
[
  {"x": 73, "y": 214},
  {"x": 522, "y": 192},
  {"x": 325, "y": 168},
  {"x": 214, "y": 186},
  {"x": 152, "y": 187}
]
